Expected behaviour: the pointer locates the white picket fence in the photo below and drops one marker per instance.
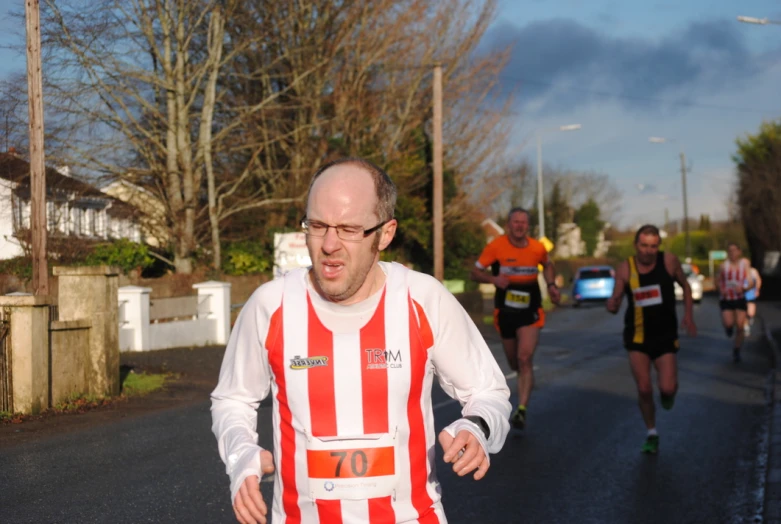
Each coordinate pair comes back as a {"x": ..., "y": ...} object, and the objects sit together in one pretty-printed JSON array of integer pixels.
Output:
[{"x": 197, "y": 320}]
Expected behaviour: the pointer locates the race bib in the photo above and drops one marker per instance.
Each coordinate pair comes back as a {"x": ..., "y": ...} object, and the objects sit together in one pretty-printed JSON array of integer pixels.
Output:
[
  {"x": 517, "y": 299},
  {"x": 648, "y": 296},
  {"x": 351, "y": 468}
]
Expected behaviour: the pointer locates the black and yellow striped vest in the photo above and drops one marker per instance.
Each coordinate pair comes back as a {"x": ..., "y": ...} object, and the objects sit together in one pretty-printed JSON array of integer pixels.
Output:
[{"x": 650, "y": 317}]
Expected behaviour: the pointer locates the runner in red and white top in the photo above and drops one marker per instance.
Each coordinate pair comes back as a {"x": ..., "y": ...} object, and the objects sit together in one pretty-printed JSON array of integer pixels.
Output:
[
  {"x": 734, "y": 275},
  {"x": 348, "y": 351}
]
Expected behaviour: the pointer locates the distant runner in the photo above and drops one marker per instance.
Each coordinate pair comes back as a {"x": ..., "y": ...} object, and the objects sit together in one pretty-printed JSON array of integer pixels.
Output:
[
  {"x": 518, "y": 314},
  {"x": 751, "y": 298},
  {"x": 734, "y": 281},
  {"x": 651, "y": 324}
]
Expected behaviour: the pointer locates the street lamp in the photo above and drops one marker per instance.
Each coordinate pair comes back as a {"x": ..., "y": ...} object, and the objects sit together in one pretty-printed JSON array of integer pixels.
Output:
[
  {"x": 758, "y": 21},
  {"x": 662, "y": 140},
  {"x": 540, "y": 198}
]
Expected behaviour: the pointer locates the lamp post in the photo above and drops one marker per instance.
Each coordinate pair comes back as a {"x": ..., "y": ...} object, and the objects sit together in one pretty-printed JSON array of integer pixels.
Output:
[
  {"x": 662, "y": 140},
  {"x": 540, "y": 197},
  {"x": 757, "y": 21}
]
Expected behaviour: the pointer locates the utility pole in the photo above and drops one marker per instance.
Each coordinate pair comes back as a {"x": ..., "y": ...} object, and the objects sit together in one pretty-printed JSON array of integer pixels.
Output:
[
  {"x": 685, "y": 206},
  {"x": 37, "y": 160},
  {"x": 540, "y": 195},
  {"x": 439, "y": 259}
]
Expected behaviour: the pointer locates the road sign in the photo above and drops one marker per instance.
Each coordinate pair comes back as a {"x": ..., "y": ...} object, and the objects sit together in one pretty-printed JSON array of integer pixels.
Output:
[
  {"x": 290, "y": 252},
  {"x": 715, "y": 255}
]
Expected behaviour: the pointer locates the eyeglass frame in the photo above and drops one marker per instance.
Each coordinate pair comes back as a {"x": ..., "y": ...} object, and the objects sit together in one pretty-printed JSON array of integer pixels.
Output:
[{"x": 366, "y": 232}]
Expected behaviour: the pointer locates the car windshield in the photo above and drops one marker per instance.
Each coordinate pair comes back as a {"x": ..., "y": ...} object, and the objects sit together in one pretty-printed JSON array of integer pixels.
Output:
[
  {"x": 687, "y": 269},
  {"x": 586, "y": 274}
]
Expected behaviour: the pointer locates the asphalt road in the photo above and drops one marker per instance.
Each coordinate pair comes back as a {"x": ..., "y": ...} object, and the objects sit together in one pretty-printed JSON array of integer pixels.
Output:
[{"x": 578, "y": 461}]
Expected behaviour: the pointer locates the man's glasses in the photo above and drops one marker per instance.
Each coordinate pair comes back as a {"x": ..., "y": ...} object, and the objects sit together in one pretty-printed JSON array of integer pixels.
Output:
[{"x": 314, "y": 228}]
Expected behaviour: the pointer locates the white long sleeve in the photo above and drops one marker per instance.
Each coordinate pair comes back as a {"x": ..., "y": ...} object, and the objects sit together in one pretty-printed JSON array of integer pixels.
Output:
[{"x": 245, "y": 380}]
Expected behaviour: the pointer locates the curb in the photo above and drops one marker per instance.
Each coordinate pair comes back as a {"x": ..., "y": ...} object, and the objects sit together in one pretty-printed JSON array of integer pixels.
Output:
[{"x": 772, "y": 502}]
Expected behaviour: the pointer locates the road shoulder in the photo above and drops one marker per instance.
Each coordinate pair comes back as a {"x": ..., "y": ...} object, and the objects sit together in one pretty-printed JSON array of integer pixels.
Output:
[{"x": 771, "y": 324}]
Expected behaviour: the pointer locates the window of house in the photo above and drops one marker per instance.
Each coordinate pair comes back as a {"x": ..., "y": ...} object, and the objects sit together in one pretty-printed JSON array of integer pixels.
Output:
[
  {"x": 64, "y": 215},
  {"x": 25, "y": 217},
  {"x": 51, "y": 216},
  {"x": 76, "y": 215}
]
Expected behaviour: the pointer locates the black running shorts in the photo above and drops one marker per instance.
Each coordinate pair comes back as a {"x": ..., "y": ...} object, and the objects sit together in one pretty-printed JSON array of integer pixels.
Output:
[
  {"x": 507, "y": 322},
  {"x": 732, "y": 305},
  {"x": 653, "y": 350}
]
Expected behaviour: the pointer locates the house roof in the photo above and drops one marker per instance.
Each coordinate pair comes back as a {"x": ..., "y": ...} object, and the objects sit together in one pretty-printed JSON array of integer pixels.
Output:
[
  {"x": 17, "y": 170},
  {"x": 491, "y": 228}
]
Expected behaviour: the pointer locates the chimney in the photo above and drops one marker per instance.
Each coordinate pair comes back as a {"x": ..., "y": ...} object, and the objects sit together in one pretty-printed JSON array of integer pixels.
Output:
[{"x": 64, "y": 170}]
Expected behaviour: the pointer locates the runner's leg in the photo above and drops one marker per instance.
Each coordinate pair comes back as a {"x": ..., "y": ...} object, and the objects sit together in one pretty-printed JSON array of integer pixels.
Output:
[
  {"x": 740, "y": 322},
  {"x": 728, "y": 320},
  {"x": 640, "y": 363},
  {"x": 511, "y": 352},
  {"x": 667, "y": 376},
  {"x": 528, "y": 336}
]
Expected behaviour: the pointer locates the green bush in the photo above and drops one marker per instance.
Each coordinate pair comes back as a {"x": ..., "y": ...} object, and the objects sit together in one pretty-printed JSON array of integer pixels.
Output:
[
  {"x": 21, "y": 267},
  {"x": 126, "y": 254},
  {"x": 245, "y": 258}
]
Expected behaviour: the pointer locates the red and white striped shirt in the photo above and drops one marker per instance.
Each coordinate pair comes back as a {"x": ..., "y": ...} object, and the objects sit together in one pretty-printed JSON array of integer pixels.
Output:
[
  {"x": 351, "y": 382},
  {"x": 732, "y": 279}
]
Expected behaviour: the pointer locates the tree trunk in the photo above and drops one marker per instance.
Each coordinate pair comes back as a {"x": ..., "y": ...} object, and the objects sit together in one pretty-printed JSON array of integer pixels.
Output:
[{"x": 215, "y": 45}]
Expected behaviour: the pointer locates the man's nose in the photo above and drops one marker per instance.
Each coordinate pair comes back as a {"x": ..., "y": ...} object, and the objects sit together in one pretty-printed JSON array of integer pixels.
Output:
[{"x": 331, "y": 241}]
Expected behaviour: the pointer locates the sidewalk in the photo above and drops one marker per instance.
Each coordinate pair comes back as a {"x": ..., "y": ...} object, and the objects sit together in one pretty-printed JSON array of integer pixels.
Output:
[{"x": 770, "y": 312}]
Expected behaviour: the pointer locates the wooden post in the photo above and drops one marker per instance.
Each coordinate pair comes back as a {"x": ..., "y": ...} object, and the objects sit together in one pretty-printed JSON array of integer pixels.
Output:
[
  {"x": 439, "y": 264},
  {"x": 37, "y": 159}
]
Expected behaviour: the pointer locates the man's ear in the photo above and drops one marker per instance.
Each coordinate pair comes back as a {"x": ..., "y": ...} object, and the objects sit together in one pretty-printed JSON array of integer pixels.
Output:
[{"x": 387, "y": 234}]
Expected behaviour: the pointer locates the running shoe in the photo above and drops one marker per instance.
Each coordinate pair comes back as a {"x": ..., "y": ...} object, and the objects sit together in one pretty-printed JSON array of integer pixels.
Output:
[
  {"x": 651, "y": 444},
  {"x": 668, "y": 401},
  {"x": 518, "y": 419}
]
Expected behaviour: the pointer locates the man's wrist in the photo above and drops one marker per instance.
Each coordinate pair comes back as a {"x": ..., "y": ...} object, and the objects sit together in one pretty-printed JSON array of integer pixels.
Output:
[
  {"x": 480, "y": 423},
  {"x": 552, "y": 284}
]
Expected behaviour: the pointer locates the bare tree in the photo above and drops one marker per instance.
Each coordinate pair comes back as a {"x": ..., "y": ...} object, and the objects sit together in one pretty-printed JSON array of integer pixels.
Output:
[
  {"x": 222, "y": 109},
  {"x": 139, "y": 79}
]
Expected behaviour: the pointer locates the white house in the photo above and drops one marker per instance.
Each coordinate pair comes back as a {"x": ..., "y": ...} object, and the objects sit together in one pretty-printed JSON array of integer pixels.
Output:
[
  {"x": 73, "y": 208},
  {"x": 152, "y": 217}
]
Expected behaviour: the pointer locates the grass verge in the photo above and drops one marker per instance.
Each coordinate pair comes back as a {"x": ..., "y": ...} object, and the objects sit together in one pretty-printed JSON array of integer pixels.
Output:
[
  {"x": 133, "y": 385},
  {"x": 136, "y": 384}
]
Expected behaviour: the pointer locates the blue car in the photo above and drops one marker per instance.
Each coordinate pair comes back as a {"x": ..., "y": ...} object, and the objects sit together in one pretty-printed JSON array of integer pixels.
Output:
[{"x": 593, "y": 283}]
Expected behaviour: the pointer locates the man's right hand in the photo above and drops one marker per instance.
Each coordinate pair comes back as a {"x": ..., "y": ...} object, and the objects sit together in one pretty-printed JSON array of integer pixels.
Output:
[
  {"x": 249, "y": 506},
  {"x": 613, "y": 305},
  {"x": 501, "y": 281}
]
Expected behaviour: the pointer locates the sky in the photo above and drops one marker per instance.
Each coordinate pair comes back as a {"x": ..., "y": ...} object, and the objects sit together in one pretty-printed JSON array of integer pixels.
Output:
[
  {"x": 625, "y": 70},
  {"x": 628, "y": 70}
]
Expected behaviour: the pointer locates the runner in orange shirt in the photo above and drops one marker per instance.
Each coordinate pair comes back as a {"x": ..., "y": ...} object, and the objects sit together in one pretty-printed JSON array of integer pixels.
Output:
[{"x": 518, "y": 313}]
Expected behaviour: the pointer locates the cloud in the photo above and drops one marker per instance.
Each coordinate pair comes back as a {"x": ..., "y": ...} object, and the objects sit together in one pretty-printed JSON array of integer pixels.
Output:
[{"x": 562, "y": 64}]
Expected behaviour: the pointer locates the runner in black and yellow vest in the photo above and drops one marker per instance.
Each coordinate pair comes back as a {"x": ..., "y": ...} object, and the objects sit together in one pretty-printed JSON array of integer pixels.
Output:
[{"x": 650, "y": 324}]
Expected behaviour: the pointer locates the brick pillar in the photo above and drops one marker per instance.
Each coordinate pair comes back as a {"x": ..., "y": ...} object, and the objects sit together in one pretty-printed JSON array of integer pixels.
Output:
[
  {"x": 91, "y": 293},
  {"x": 29, "y": 351}
]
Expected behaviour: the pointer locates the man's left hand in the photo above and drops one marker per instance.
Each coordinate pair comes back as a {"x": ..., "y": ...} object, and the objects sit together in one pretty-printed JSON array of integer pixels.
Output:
[
  {"x": 473, "y": 456},
  {"x": 555, "y": 294},
  {"x": 689, "y": 325}
]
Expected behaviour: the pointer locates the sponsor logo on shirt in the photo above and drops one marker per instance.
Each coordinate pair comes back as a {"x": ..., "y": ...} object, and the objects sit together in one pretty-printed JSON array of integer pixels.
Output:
[
  {"x": 519, "y": 270},
  {"x": 377, "y": 358},
  {"x": 329, "y": 486},
  {"x": 308, "y": 362}
]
